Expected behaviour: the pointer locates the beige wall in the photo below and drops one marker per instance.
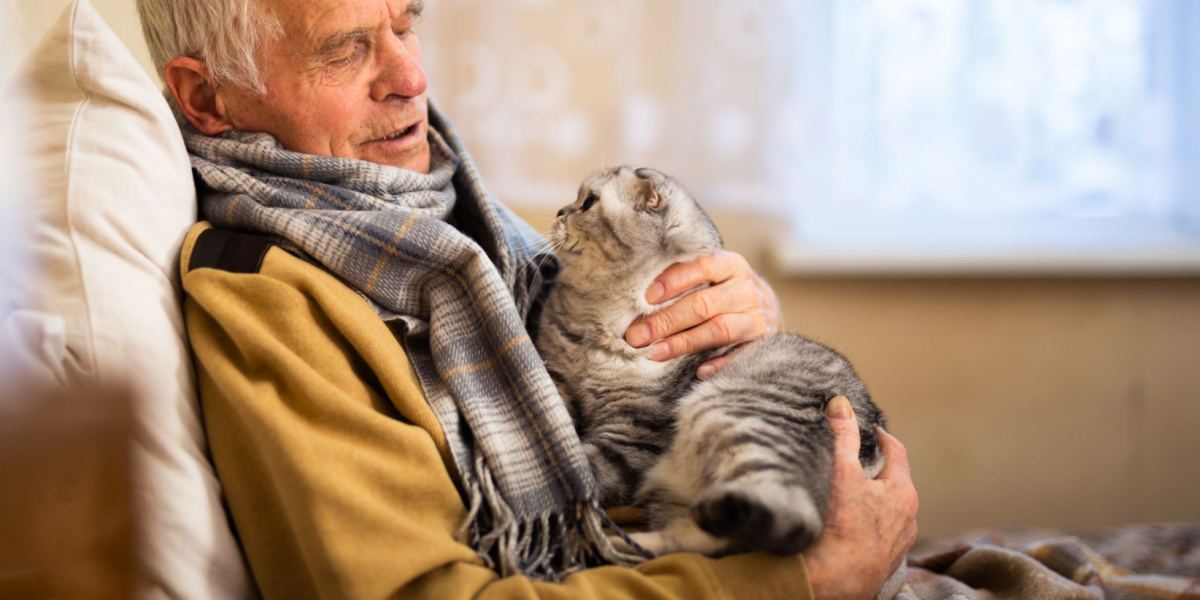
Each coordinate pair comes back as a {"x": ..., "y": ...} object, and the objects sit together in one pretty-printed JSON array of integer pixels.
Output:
[
  {"x": 1028, "y": 402},
  {"x": 1022, "y": 401},
  {"x": 35, "y": 16}
]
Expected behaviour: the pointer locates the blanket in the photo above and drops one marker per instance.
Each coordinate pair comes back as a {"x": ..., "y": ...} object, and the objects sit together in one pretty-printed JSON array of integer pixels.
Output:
[{"x": 1149, "y": 562}]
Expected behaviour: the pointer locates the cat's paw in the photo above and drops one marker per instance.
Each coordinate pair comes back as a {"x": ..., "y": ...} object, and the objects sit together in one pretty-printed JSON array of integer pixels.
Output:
[
  {"x": 649, "y": 543},
  {"x": 681, "y": 535},
  {"x": 785, "y": 522},
  {"x": 626, "y": 546}
]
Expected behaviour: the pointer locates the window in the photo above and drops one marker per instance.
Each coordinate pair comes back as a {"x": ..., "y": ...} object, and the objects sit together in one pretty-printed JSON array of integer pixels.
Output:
[
  {"x": 1011, "y": 134},
  {"x": 895, "y": 134}
]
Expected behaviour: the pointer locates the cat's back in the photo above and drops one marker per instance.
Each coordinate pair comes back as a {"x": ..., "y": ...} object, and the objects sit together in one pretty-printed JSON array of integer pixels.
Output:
[
  {"x": 797, "y": 361},
  {"x": 792, "y": 373},
  {"x": 786, "y": 373}
]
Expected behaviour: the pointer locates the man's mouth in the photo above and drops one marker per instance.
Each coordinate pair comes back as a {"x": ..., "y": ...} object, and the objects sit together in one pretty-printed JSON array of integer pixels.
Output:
[{"x": 405, "y": 134}]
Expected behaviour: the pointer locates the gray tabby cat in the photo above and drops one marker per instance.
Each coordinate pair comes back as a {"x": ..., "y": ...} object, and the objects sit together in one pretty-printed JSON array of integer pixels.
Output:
[{"x": 739, "y": 462}]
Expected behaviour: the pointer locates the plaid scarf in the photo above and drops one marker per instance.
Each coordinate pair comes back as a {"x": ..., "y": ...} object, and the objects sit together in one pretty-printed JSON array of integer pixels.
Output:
[{"x": 463, "y": 304}]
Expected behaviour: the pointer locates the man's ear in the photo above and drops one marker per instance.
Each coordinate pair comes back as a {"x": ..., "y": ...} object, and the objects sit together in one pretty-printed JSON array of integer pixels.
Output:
[{"x": 195, "y": 95}]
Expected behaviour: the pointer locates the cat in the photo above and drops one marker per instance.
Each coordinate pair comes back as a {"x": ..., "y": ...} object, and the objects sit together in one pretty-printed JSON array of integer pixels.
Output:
[{"x": 739, "y": 462}]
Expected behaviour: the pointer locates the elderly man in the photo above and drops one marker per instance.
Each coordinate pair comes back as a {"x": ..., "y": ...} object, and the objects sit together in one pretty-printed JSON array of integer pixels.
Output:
[{"x": 376, "y": 413}]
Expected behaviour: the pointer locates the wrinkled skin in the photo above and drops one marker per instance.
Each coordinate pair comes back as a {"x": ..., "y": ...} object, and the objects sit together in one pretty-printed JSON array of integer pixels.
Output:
[{"x": 870, "y": 524}]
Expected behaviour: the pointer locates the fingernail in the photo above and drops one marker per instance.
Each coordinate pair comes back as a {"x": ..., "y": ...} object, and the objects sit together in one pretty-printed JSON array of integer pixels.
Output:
[
  {"x": 638, "y": 335},
  {"x": 659, "y": 351},
  {"x": 838, "y": 408},
  {"x": 655, "y": 293},
  {"x": 706, "y": 372}
]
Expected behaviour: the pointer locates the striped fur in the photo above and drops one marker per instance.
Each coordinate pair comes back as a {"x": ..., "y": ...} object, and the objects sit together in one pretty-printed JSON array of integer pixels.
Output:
[{"x": 735, "y": 463}]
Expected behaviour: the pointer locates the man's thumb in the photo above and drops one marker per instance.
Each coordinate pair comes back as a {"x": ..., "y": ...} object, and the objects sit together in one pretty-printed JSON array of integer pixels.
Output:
[
  {"x": 839, "y": 408},
  {"x": 845, "y": 430}
]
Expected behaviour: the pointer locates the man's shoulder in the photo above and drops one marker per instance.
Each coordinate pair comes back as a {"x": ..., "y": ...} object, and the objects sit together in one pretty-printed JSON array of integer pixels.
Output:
[
  {"x": 224, "y": 263},
  {"x": 207, "y": 247}
]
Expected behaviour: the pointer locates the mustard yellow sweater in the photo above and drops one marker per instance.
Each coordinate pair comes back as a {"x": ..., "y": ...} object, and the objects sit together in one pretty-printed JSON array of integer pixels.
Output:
[{"x": 335, "y": 470}]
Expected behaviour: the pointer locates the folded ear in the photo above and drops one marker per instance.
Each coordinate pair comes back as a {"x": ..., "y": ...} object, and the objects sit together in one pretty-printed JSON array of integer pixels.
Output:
[{"x": 648, "y": 196}]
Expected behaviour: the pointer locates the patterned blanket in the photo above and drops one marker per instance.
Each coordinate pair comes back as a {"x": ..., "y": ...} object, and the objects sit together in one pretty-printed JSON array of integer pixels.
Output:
[{"x": 1149, "y": 562}]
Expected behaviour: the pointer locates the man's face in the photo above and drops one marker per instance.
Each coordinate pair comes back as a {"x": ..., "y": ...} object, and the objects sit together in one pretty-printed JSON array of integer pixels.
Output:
[{"x": 344, "y": 79}]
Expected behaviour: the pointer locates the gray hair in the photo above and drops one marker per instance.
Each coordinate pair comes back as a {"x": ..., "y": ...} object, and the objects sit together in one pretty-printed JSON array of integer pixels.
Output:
[{"x": 227, "y": 35}]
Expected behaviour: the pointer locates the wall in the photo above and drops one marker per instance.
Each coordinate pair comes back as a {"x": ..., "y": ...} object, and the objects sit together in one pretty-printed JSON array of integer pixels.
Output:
[
  {"x": 1027, "y": 402},
  {"x": 1022, "y": 401},
  {"x": 36, "y": 16}
]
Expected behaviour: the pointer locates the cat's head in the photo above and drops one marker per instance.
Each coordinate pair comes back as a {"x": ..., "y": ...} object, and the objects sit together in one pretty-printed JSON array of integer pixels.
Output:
[{"x": 626, "y": 216}]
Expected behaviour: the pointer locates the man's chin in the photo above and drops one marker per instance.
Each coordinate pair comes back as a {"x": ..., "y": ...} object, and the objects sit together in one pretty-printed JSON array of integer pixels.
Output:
[
  {"x": 413, "y": 159},
  {"x": 408, "y": 151}
]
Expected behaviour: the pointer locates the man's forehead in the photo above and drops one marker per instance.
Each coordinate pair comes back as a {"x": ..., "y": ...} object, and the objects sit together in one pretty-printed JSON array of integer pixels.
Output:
[{"x": 316, "y": 19}]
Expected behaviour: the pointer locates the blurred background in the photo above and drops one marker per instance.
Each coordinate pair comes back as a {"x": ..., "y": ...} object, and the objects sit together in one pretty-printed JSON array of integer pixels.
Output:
[{"x": 991, "y": 207}]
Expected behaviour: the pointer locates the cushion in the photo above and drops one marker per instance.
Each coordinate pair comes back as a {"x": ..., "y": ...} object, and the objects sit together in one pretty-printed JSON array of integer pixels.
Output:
[{"x": 101, "y": 302}]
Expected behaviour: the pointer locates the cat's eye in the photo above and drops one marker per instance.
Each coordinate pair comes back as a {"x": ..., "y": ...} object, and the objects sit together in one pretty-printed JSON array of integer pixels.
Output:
[{"x": 588, "y": 202}]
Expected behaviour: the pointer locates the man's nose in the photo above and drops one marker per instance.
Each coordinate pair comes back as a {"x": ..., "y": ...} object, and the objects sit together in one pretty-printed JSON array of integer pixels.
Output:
[{"x": 400, "y": 75}]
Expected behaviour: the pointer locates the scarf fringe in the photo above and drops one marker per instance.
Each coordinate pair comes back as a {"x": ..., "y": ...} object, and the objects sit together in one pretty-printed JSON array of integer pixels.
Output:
[
  {"x": 548, "y": 546},
  {"x": 533, "y": 510}
]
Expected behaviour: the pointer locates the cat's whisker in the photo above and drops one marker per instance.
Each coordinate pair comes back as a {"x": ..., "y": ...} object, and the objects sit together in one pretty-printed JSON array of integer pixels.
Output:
[{"x": 541, "y": 251}]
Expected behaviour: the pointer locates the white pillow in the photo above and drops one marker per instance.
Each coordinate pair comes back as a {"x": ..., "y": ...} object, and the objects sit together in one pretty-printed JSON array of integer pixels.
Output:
[{"x": 102, "y": 304}]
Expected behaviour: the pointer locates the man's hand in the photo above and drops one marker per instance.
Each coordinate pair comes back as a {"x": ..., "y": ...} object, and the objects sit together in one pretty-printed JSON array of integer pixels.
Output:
[
  {"x": 870, "y": 523},
  {"x": 736, "y": 307}
]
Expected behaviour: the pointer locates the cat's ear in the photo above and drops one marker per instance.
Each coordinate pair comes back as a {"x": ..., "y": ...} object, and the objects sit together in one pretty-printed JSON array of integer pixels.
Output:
[{"x": 648, "y": 196}]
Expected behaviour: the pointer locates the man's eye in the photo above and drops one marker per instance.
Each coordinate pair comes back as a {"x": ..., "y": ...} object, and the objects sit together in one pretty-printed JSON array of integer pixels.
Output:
[
  {"x": 403, "y": 33},
  {"x": 359, "y": 51}
]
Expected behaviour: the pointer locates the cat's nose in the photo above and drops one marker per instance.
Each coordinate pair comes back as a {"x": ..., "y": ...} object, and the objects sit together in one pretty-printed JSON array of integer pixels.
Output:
[
  {"x": 644, "y": 173},
  {"x": 562, "y": 211}
]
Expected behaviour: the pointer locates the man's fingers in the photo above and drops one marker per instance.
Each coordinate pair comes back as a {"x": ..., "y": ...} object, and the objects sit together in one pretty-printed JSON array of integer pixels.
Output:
[
  {"x": 689, "y": 311},
  {"x": 694, "y": 309},
  {"x": 721, "y": 330},
  {"x": 897, "y": 467},
  {"x": 736, "y": 306},
  {"x": 706, "y": 270},
  {"x": 845, "y": 434}
]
